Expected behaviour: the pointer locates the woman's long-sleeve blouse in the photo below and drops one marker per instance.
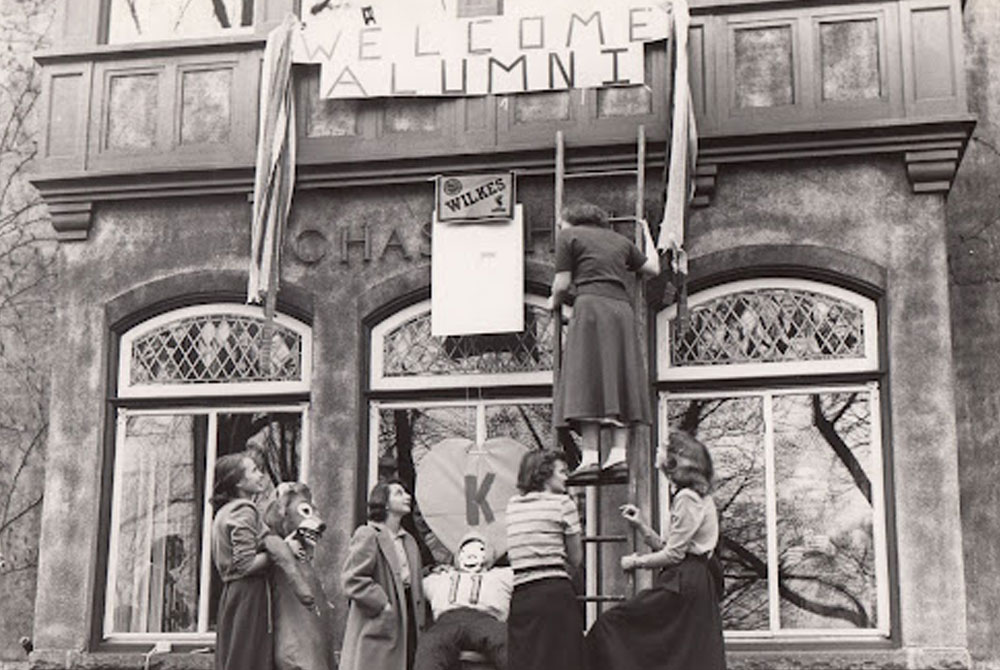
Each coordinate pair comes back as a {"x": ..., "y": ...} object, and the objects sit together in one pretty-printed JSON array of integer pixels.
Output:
[{"x": 694, "y": 526}]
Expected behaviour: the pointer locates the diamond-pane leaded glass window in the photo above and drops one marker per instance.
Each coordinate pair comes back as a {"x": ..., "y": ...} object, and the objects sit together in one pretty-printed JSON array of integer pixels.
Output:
[
  {"x": 779, "y": 378},
  {"x": 406, "y": 353},
  {"x": 780, "y": 324},
  {"x": 769, "y": 325},
  {"x": 213, "y": 346}
]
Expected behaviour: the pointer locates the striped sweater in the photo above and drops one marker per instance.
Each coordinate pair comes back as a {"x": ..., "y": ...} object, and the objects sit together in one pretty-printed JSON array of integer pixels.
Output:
[{"x": 537, "y": 524}]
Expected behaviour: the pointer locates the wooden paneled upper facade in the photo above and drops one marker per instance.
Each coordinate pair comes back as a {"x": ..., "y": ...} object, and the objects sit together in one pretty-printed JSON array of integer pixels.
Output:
[{"x": 782, "y": 79}]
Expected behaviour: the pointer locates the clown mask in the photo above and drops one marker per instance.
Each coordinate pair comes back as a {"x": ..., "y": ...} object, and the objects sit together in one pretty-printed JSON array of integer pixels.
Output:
[{"x": 472, "y": 556}]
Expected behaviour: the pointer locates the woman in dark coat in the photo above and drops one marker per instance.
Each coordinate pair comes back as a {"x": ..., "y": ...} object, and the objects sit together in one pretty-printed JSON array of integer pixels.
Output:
[
  {"x": 676, "y": 624},
  {"x": 381, "y": 577}
]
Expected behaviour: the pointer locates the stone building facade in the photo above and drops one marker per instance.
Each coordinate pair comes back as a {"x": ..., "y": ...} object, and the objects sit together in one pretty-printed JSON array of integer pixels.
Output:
[{"x": 816, "y": 360}]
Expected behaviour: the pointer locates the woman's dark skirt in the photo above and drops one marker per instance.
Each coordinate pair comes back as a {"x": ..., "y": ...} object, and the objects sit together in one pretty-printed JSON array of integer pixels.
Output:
[
  {"x": 602, "y": 375},
  {"x": 243, "y": 639},
  {"x": 675, "y": 625},
  {"x": 545, "y": 628}
]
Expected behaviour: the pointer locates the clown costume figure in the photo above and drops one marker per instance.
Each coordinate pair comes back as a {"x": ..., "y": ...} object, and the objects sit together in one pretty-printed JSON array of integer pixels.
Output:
[{"x": 470, "y": 603}]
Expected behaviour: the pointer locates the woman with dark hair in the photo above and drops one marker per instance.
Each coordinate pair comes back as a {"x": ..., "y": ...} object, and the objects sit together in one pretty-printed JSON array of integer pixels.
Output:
[
  {"x": 544, "y": 629},
  {"x": 244, "y": 639},
  {"x": 676, "y": 624},
  {"x": 381, "y": 578},
  {"x": 603, "y": 378}
]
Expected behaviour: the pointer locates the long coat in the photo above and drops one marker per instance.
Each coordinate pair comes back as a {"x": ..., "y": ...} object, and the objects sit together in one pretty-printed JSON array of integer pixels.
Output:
[{"x": 375, "y": 639}]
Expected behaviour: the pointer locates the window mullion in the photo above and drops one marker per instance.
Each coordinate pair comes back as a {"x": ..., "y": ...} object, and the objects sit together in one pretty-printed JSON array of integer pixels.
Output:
[
  {"x": 206, "y": 531},
  {"x": 878, "y": 508},
  {"x": 591, "y": 552},
  {"x": 148, "y": 550},
  {"x": 110, "y": 599},
  {"x": 480, "y": 423},
  {"x": 662, "y": 483},
  {"x": 374, "y": 416},
  {"x": 770, "y": 486},
  {"x": 305, "y": 457}
]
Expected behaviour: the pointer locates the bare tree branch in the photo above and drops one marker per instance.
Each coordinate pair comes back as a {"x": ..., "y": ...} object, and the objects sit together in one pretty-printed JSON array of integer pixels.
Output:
[
  {"x": 28, "y": 508},
  {"x": 826, "y": 428},
  {"x": 858, "y": 617},
  {"x": 27, "y": 268}
]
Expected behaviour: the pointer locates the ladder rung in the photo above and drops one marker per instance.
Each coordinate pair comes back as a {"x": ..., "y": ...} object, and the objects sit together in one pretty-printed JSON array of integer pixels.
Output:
[
  {"x": 592, "y": 174},
  {"x": 604, "y": 538},
  {"x": 603, "y": 478},
  {"x": 601, "y": 599}
]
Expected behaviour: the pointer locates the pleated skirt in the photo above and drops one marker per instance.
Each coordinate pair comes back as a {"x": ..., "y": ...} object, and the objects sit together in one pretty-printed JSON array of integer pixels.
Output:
[
  {"x": 674, "y": 625},
  {"x": 545, "y": 627},
  {"x": 243, "y": 639},
  {"x": 603, "y": 376}
]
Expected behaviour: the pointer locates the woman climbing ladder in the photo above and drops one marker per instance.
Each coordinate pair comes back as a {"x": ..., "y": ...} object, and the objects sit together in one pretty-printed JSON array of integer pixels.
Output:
[{"x": 603, "y": 380}]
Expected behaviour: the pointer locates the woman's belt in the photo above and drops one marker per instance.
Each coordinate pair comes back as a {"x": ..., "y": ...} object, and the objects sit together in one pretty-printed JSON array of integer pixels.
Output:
[{"x": 539, "y": 568}]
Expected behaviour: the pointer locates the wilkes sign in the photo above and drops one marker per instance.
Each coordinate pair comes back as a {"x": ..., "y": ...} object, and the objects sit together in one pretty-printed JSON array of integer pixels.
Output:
[{"x": 475, "y": 197}]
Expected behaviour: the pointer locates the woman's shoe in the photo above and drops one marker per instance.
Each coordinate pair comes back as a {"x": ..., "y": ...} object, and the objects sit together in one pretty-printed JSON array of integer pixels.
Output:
[
  {"x": 585, "y": 470},
  {"x": 616, "y": 459}
]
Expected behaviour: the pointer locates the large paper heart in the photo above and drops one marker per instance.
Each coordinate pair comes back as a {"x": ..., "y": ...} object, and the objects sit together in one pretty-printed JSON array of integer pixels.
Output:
[{"x": 463, "y": 487}]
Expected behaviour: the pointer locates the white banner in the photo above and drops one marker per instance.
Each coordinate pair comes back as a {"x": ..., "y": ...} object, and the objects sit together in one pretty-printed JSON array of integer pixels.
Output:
[
  {"x": 380, "y": 48},
  {"x": 477, "y": 277}
]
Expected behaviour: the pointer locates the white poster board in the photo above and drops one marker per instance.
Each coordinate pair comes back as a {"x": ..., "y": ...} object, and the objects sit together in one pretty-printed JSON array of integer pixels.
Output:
[{"x": 477, "y": 276}]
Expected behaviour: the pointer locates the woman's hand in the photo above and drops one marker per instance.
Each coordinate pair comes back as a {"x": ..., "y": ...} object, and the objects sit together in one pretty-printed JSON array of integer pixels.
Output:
[
  {"x": 630, "y": 562},
  {"x": 632, "y": 514},
  {"x": 560, "y": 287},
  {"x": 651, "y": 267},
  {"x": 646, "y": 232},
  {"x": 298, "y": 551}
]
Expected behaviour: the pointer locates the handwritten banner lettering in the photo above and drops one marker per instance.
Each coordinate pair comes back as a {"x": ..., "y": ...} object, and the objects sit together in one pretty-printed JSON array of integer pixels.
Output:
[{"x": 398, "y": 49}]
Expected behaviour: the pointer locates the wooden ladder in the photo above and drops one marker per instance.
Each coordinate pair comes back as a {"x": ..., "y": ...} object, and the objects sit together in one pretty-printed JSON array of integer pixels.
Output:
[{"x": 603, "y": 490}]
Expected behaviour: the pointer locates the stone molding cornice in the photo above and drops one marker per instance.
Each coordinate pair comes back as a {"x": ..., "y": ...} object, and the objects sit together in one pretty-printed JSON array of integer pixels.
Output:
[
  {"x": 931, "y": 152},
  {"x": 71, "y": 219}
]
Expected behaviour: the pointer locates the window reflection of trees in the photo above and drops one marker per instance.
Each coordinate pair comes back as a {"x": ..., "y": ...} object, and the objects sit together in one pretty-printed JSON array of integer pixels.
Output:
[
  {"x": 162, "y": 468},
  {"x": 274, "y": 441},
  {"x": 826, "y": 564},
  {"x": 158, "y": 507},
  {"x": 406, "y": 435},
  {"x": 824, "y": 502},
  {"x": 273, "y": 438}
]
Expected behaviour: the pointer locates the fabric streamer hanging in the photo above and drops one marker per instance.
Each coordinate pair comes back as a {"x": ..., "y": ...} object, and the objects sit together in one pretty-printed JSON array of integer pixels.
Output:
[
  {"x": 683, "y": 157},
  {"x": 274, "y": 180}
]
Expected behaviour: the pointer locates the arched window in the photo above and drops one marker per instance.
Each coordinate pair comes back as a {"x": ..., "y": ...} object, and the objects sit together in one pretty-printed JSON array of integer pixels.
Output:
[
  {"x": 193, "y": 384},
  {"x": 475, "y": 401},
  {"x": 781, "y": 379}
]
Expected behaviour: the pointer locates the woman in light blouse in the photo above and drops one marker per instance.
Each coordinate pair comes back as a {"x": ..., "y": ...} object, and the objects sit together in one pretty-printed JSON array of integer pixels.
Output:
[{"x": 675, "y": 624}]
